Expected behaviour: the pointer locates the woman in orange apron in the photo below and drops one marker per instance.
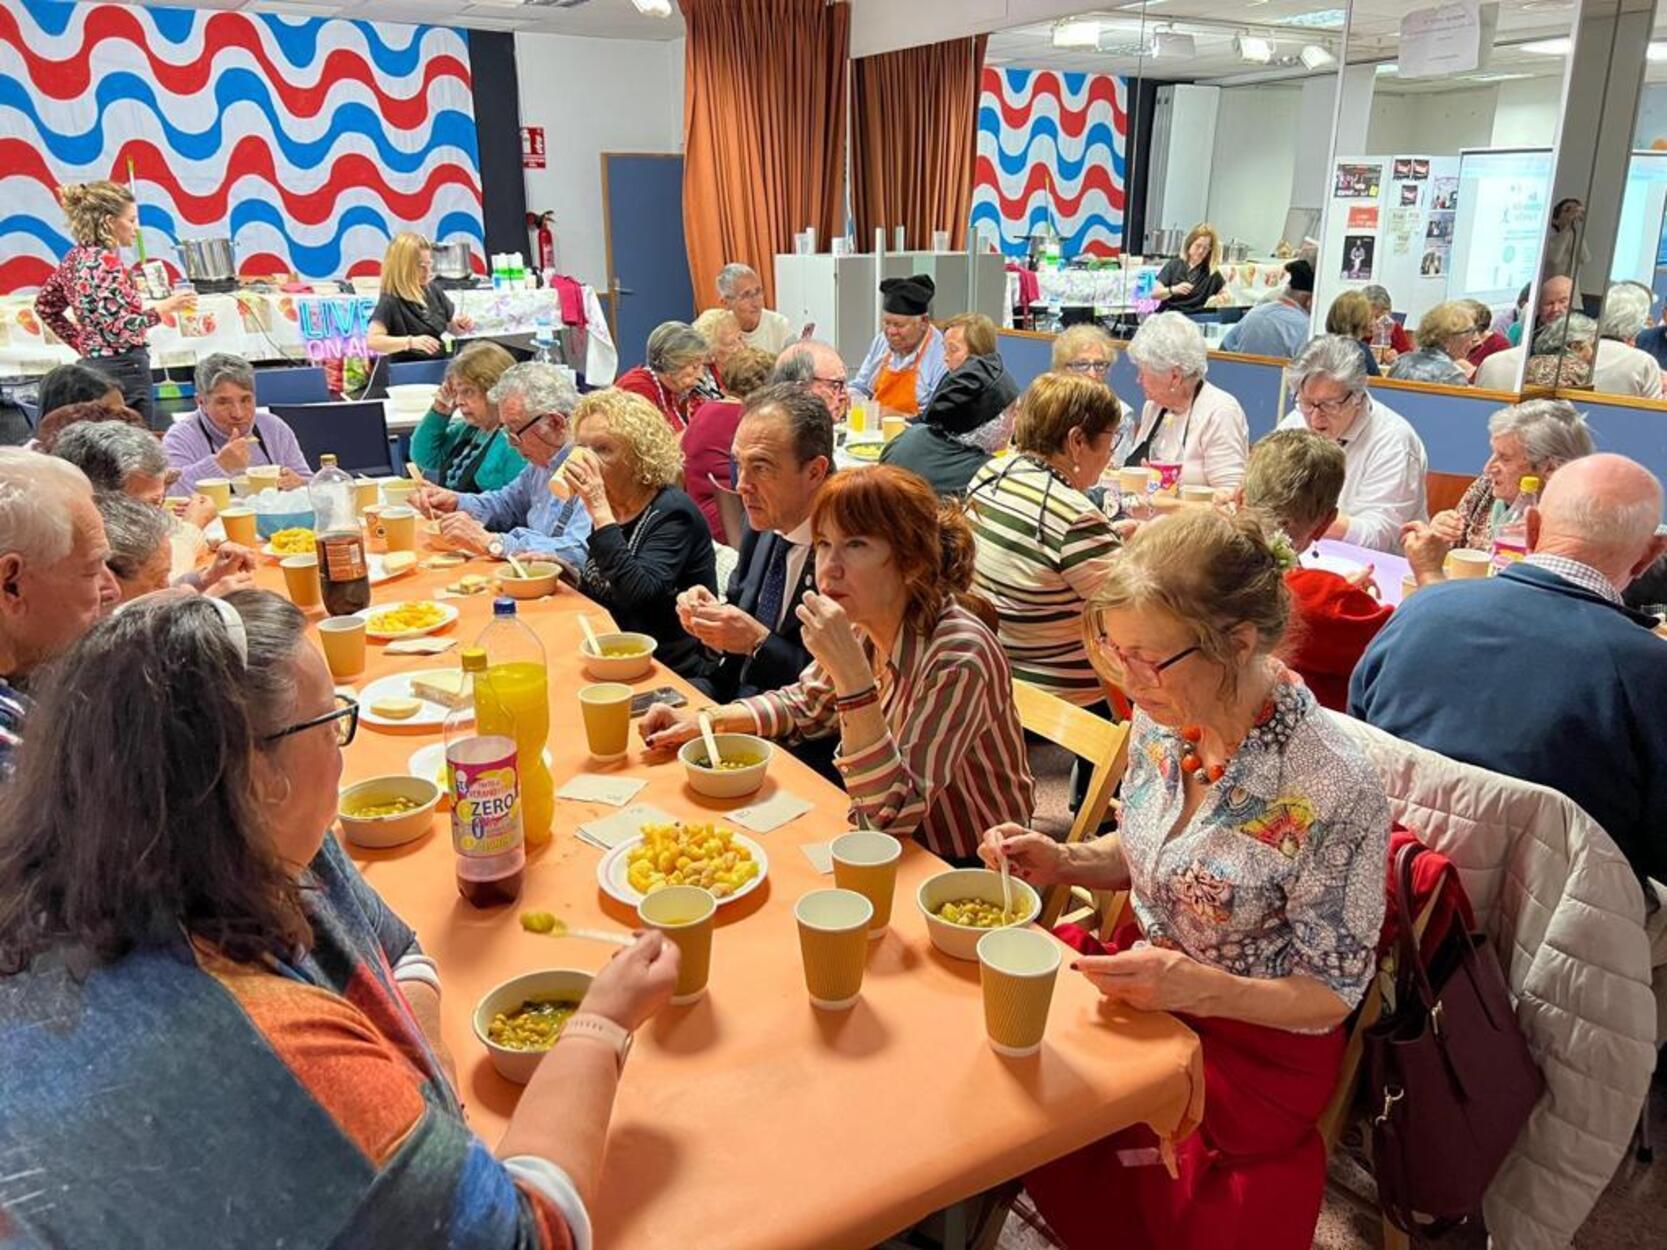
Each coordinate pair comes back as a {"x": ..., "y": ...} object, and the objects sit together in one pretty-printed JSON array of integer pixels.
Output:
[{"x": 907, "y": 302}]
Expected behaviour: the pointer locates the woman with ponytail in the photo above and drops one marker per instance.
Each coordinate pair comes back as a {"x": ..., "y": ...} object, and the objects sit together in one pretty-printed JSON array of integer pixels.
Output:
[{"x": 905, "y": 669}]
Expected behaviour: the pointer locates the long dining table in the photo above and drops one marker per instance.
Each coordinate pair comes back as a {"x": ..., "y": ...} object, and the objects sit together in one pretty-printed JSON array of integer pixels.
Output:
[{"x": 751, "y": 1120}]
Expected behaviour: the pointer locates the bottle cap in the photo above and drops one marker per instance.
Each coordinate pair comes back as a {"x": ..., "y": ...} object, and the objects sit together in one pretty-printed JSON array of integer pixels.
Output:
[
  {"x": 503, "y": 605},
  {"x": 1531, "y": 484},
  {"x": 326, "y": 459},
  {"x": 474, "y": 659}
]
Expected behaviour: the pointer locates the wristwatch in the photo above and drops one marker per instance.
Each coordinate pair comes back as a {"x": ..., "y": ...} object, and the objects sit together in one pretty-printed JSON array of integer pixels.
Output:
[
  {"x": 495, "y": 548},
  {"x": 589, "y": 1024}
]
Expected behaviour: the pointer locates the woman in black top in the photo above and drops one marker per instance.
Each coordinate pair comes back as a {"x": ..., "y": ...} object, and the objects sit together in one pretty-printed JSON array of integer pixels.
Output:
[
  {"x": 414, "y": 311},
  {"x": 1192, "y": 281},
  {"x": 649, "y": 541}
]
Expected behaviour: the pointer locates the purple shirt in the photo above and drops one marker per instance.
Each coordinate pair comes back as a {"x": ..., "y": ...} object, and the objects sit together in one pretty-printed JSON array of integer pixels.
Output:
[{"x": 191, "y": 444}]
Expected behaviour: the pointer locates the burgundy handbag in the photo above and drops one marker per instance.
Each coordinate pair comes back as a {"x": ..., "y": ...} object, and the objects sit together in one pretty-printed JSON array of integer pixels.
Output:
[{"x": 1452, "y": 1079}]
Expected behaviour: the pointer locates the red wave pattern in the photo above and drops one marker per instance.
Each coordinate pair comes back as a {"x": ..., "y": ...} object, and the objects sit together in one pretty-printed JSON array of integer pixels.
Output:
[
  {"x": 1102, "y": 89},
  {"x": 1095, "y": 178},
  {"x": 72, "y": 77},
  {"x": 22, "y": 272}
]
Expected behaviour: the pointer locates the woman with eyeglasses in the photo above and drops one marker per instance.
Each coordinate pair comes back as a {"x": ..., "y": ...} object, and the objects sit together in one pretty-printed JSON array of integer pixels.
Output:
[
  {"x": 176, "y": 918},
  {"x": 1252, "y": 841},
  {"x": 524, "y": 518},
  {"x": 1445, "y": 336},
  {"x": 460, "y": 441},
  {"x": 1185, "y": 419}
]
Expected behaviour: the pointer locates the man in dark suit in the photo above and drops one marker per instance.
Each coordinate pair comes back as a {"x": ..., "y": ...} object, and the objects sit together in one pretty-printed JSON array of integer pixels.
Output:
[{"x": 783, "y": 452}]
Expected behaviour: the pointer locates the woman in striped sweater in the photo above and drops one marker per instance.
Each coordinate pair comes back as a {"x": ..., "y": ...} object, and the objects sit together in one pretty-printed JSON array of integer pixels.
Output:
[{"x": 904, "y": 669}]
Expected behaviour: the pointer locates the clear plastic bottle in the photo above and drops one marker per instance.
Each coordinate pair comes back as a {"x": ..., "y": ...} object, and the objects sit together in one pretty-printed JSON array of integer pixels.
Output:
[
  {"x": 343, "y": 572},
  {"x": 544, "y": 337},
  {"x": 487, "y": 802},
  {"x": 1510, "y": 532},
  {"x": 513, "y": 699}
]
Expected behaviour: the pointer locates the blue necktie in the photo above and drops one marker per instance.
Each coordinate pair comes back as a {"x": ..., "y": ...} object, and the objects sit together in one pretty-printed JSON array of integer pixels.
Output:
[{"x": 775, "y": 585}]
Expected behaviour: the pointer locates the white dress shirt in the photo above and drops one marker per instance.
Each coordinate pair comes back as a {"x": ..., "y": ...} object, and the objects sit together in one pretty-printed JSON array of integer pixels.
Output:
[
  {"x": 772, "y": 333},
  {"x": 1384, "y": 465},
  {"x": 1621, "y": 369},
  {"x": 1211, "y": 439}
]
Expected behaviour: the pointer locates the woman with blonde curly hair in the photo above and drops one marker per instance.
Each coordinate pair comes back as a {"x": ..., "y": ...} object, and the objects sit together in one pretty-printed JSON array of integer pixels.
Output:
[
  {"x": 110, "y": 321},
  {"x": 648, "y": 540}
]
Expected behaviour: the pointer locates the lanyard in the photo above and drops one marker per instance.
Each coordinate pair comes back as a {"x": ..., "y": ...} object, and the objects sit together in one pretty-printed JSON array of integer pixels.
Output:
[{"x": 209, "y": 433}]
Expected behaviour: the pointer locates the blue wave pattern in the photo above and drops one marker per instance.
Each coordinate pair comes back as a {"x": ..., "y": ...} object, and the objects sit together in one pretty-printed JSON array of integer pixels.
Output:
[{"x": 127, "y": 105}]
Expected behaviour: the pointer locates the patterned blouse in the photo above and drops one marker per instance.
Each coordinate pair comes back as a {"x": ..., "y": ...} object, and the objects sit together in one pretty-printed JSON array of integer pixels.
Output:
[
  {"x": 94, "y": 285},
  {"x": 1476, "y": 512},
  {"x": 1281, "y": 870},
  {"x": 14, "y": 706}
]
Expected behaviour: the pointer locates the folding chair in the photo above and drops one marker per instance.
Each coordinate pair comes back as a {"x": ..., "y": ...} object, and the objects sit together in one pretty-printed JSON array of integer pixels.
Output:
[
  {"x": 301, "y": 385},
  {"x": 416, "y": 372},
  {"x": 730, "y": 512},
  {"x": 355, "y": 432}
]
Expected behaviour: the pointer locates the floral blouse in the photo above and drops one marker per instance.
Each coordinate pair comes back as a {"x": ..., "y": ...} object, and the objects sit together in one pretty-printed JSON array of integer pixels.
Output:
[
  {"x": 94, "y": 285},
  {"x": 1281, "y": 870}
]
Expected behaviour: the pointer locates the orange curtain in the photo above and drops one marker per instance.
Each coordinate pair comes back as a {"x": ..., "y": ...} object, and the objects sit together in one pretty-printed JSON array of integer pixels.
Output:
[
  {"x": 764, "y": 132},
  {"x": 914, "y": 141}
]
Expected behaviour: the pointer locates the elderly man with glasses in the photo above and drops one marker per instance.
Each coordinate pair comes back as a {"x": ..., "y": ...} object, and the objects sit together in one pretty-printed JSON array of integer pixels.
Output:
[
  {"x": 1384, "y": 462},
  {"x": 742, "y": 292},
  {"x": 524, "y": 518}
]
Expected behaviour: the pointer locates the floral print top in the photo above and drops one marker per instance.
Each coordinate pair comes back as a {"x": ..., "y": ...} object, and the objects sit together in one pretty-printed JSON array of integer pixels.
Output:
[
  {"x": 1280, "y": 872},
  {"x": 94, "y": 285}
]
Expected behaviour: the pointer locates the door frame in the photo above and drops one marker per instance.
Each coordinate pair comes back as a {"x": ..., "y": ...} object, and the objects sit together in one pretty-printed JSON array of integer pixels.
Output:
[{"x": 608, "y": 231}]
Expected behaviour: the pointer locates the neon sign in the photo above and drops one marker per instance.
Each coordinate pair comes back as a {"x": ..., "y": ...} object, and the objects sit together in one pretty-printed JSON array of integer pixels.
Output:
[{"x": 336, "y": 327}]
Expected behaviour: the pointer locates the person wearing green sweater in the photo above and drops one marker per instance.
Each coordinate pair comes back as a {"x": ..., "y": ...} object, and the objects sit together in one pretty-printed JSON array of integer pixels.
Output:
[{"x": 471, "y": 455}]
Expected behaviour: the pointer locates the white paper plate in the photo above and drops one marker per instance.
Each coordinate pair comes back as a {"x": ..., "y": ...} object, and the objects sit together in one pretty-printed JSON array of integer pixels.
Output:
[
  {"x": 398, "y": 686},
  {"x": 377, "y": 564},
  {"x": 449, "y": 614},
  {"x": 610, "y": 872},
  {"x": 1333, "y": 564}
]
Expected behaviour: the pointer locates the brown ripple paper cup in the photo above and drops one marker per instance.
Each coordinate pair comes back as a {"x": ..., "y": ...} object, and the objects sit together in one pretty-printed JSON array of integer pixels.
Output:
[
  {"x": 684, "y": 913},
  {"x": 867, "y": 863},
  {"x": 833, "y": 939},
  {"x": 1017, "y": 969}
]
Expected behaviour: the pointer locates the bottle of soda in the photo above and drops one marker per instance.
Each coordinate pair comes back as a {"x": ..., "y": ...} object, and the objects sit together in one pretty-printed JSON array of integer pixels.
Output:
[
  {"x": 513, "y": 700},
  {"x": 486, "y": 799},
  {"x": 1510, "y": 532},
  {"x": 343, "y": 572}
]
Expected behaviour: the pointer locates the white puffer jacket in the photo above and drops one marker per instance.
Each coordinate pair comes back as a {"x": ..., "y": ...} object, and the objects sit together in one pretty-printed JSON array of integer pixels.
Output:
[{"x": 1565, "y": 913}]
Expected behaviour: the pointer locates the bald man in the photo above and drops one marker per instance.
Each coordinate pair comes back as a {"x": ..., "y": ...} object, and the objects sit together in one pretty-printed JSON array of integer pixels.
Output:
[
  {"x": 1501, "y": 371},
  {"x": 1543, "y": 673}
]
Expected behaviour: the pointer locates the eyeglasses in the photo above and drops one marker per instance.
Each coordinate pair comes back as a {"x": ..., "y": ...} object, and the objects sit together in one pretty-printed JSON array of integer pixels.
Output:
[
  {"x": 515, "y": 436},
  {"x": 1145, "y": 672},
  {"x": 837, "y": 385},
  {"x": 1324, "y": 407},
  {"x": 1096, "y": 367},
  {"x": 345, "y": 716}
]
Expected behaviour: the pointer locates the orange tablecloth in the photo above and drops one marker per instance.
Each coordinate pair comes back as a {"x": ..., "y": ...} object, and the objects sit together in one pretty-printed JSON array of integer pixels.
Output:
[{"x": 750, "y": 1119}]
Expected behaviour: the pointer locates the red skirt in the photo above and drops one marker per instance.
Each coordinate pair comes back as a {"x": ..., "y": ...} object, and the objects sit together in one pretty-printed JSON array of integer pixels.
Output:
[{"x": 1250, "y": 1178}]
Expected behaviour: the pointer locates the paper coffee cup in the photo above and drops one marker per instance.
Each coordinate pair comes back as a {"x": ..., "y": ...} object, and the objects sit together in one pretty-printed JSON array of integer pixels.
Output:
[
  {"x": 1017, "y": 969},
  {"x": 240, "y": 525},
  {"x": 218, "y": 489},
  {"x": 376, "y": 533},
  {"x": 606, "y": 708},
  {"x": 367, "y": 493},
  {"x": 399, "y": 526},
  {"x": 685, "y": 914},
  {"x": 301, "y": 580},
  {"x": 833, "y": 942},
  {"x": 891, "y": 426},
  {"x": 866, "y": 863},
  {"x": 343, "y": 638},
  {"x": 560, "y": 487},
  {"x": 1463, "y": 562},
  {"x": 264, "y": 477},
  {"x": 1198, "y": 494}
]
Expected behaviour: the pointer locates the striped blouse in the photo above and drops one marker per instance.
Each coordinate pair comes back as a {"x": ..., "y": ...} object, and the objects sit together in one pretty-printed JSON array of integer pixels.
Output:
[
  {"x": 1043, "y": 549},
  {"x": 952, "y": 763}
]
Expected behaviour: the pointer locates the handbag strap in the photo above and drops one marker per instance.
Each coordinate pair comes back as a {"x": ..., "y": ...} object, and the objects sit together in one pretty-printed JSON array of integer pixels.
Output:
[{"x": 1410, "y": 972}]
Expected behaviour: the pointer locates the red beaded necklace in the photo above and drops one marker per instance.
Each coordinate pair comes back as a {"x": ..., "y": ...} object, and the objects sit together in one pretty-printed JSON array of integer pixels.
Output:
[{"x": 1192, "y": 735}]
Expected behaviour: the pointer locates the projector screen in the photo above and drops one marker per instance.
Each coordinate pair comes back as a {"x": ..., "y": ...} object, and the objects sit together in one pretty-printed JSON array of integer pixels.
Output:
[
  {"x": 1501, "y": 221},
  {"x": 1638, "y": 237}
]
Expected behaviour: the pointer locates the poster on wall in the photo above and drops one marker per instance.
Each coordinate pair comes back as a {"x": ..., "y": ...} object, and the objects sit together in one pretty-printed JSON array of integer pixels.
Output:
[
  {"x": 1363, "y": 216},
  {"x": 1402, "y": 168},
  {"x": 1444, "y": 196},
  {"x": 1434, "y": 264},
  {"x": 1359, "y": 251},
  {"x": 1409, "y": 194},
  {"x": 1420, "y": 168},
  {"x": 1402, "y": 230},
  {"x": 1358, "y": 182}
]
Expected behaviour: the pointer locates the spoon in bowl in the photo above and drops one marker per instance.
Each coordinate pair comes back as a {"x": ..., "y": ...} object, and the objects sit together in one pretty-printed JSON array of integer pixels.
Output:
[{"x": 713, "y": 759}]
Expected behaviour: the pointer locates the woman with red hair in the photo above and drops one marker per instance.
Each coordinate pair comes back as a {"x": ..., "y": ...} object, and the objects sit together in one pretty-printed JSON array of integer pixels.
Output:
[{"x": 905, "y": 669}]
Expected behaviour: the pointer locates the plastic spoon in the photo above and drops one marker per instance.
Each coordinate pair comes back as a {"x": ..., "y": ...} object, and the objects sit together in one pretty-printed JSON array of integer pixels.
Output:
[
  {"x": 520, "y": 570},
  {"x": 1006, "y": 885},
  {"x": 554, "y": 926},
  {"x": 590, "y": 634},
  {"x": 713, "y": 759}
]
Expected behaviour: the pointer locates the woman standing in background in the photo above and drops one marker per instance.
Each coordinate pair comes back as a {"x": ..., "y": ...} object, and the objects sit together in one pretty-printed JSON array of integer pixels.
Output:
[{"x": 110, "y": 321}]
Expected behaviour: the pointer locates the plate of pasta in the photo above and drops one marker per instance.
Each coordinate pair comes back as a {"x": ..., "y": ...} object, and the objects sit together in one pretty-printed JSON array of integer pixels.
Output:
[
  {"x": 729, "y": 864},
  {"x": 410, "y": 619}
]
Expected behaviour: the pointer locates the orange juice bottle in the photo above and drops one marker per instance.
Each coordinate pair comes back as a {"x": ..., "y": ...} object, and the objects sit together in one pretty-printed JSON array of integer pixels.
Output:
[{"x": 512, "y": 698}]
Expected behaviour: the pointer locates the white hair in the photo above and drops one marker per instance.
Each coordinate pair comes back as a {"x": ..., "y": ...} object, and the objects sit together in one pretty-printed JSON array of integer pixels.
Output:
[
  {"x": 729, "y": 277},
  {"x": 543, "y": 389},
  {"x": 36, "y": 491},
  {"x": 1170, "y": 340},
  {"x": 1331, "y": 357},
  {"x": 1626, "y": 311},
  {"x": 1552, "y": 431}
]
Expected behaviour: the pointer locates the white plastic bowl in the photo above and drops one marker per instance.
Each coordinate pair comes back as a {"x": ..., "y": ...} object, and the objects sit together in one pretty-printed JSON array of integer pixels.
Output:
[
  {"x": 726, "y": 783},
  {"x": 960, "y": 941},
  {"x": 557, "y": 983},
  {"x": 619, "y": 668}
]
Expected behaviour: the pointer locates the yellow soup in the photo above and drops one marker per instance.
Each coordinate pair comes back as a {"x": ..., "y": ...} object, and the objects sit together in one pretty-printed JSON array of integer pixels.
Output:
[
  {"x": 387, "y": 807},
  {"x": 534, "y": 1025},
  {"x": 731, "y": 763},
  {"x": 975, "y": 913},
  {"x": 623, "y": 651}
]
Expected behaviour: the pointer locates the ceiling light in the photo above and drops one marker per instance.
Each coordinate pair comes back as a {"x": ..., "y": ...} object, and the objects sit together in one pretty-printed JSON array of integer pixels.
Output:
[
  {"x": 1172, "y": 43},
  {"x": 1497, "y": 77},
  {"x": 1546, "y": 47},
  {"x": 1656, "y": 52},
  {"x": 1318, "y": 19},
  {"x": 1142, "y": 5},
  {"x": 1316, "y": 57},
  {"x": 653, "y": 8},
  {"x": 1385, "y": 67},
  {"x": 1076, "y": 32},
  {"x": 1254, "y": 48}
]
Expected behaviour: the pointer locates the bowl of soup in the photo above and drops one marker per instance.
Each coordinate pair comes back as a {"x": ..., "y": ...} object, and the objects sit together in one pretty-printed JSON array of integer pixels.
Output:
[
  {"x": 519, "y": 1020},
  {"x": 387, "y": 811},
  {"x": 618, "y": 657},
  {"x": 540, "y": 580},
  {"x": 963, "y": 904},
  {"x": 743, "y": 760}
]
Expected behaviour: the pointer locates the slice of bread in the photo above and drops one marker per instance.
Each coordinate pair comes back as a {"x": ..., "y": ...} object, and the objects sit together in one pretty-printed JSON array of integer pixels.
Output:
[{"x": 442, "y": 686}]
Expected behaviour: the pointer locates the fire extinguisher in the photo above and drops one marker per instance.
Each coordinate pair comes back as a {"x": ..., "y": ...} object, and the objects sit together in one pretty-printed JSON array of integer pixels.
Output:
[{"x": 544, "y": 238}]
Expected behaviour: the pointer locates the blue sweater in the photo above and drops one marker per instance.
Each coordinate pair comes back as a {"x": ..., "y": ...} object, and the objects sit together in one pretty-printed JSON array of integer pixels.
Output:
[{"x": 1533, "y": 677}]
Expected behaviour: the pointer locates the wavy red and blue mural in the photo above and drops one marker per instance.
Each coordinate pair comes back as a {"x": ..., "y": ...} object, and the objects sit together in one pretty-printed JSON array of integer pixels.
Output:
[
  {"x": 309, "y": 142},
  {"x": 1051, "y": 148}
]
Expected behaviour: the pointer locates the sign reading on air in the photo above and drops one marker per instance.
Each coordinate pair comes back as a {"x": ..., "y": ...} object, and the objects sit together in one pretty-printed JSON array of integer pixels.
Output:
[{"x": 334, "y": 328}]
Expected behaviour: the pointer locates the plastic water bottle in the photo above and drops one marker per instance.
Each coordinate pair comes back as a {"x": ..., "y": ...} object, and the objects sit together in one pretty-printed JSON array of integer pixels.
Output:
[
  {"x": 1510, "y": 533},
  {"x": 513, "y": 699},
  {"x": 483, "y": 775},
  {"x": 544, "y": 336}
]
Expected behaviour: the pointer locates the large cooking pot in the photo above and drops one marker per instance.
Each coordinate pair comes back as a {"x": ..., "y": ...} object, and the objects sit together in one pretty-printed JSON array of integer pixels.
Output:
[
  {"x": 451, "y": 260},
  {"x": 1164, "y": 240},
  {"x": 1235, "y": 252},
  {"x": 208, "y": 260}
]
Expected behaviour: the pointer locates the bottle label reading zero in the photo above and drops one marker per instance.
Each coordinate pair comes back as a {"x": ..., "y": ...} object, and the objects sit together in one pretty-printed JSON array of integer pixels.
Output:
[{"x": 343, "y": 556}]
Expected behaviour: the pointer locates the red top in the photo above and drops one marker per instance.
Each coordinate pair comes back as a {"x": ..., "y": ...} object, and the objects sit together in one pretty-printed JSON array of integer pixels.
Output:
[
  {"x": 706, "y": 445},
  {"x": 641, "y": 381},
  {"x": 1400, "y": 340},
  {"x": 1495, "y": 342},
  {"x": 92, "y": 283},
  {"x": 1334, "y": 623}
]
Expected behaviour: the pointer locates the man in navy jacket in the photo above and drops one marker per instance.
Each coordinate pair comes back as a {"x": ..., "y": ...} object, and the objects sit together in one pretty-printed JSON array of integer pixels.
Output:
[
  {"x": 1542, "y": 673},
  {"x": 783, "y": 452}
]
